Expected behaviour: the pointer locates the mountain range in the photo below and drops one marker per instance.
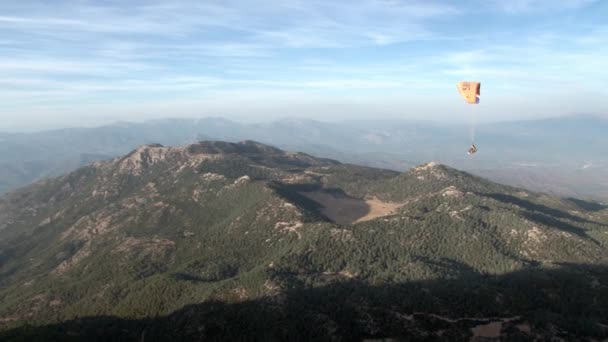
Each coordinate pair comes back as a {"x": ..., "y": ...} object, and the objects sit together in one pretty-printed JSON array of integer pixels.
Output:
[
  {"x": 244, "y": 241},
  {"x": 561, "y": 156}
]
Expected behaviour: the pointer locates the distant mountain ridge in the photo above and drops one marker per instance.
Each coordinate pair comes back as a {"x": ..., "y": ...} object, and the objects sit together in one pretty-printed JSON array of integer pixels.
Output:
[
  {"x": 564, "y": 156},
  {"x": 199, "y": 233}
]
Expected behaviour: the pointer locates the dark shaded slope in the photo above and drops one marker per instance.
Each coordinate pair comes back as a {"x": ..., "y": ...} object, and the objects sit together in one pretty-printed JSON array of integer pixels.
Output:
[{"x": 567, "y": 302}]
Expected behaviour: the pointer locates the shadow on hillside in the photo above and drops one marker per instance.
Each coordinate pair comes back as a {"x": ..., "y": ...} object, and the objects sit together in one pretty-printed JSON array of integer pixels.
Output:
[
  {"x": 568, "y": 301},
  {"x": 190, "y": 277},
  {"x": 587, "y": 205},
  {"x": 339, "y": 207},
  {"x": 324, "y": 204},
  {"x": 544, "y": 215},
  {"x": 557, "y": 224},
  {"x": 291, "y": 193},
  {"x": 524, "y": 204}
]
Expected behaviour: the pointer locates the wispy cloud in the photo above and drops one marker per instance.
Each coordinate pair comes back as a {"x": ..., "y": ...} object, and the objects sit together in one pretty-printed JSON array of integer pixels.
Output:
[
  {"x": 39, "y": 22},
  {"x": 522, "y": 6},
  {"x": 77, "y": 54}
]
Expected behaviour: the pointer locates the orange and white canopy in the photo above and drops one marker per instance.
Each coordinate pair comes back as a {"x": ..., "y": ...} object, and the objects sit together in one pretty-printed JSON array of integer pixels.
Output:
[{"x": 470, "y": 91}]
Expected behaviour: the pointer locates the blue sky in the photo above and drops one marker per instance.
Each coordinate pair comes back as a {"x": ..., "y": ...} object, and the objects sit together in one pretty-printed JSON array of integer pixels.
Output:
[{"x": 90, "y": 62}]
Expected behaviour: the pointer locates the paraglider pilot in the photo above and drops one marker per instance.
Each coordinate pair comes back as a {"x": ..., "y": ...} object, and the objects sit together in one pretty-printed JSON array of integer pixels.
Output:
[{"x": 472, "y": 149}]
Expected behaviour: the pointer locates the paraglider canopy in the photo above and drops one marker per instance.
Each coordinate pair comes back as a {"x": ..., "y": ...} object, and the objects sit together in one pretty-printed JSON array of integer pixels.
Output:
[{"x": 470, "y": 91}]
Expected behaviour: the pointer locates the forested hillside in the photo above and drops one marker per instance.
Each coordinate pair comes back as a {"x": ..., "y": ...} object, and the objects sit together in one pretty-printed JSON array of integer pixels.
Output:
[{"x": 217, "y": 240}]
